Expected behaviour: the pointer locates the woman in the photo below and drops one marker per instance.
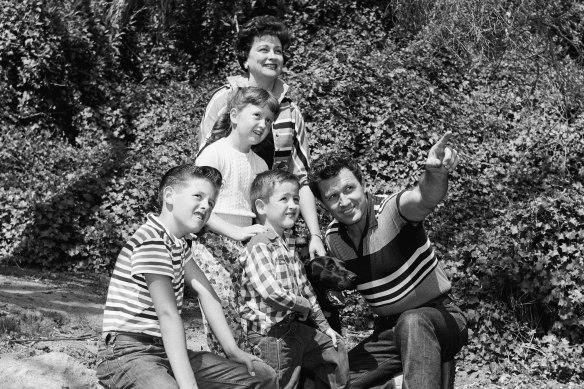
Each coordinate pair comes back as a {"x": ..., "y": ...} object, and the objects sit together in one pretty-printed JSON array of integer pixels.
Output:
[{"x": 261, "y": 46}]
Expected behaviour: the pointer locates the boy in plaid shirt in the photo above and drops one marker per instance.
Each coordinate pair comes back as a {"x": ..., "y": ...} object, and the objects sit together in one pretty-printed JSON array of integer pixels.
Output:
[{"x": 276, "y": 297}]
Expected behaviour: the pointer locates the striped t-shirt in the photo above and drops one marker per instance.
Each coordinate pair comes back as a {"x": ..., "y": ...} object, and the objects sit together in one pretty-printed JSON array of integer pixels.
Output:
[
  {"x": 395, "y": 262},
  {"x": 151, "y": 250}
]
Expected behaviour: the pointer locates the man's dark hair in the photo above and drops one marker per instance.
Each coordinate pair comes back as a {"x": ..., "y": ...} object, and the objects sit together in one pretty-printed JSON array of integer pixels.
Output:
[
  {"x": 263, "y": 185},
  {"x": 329, "y": 166},
  {"x": 179, "y": 176},
  {"x": 258, "y": 27}
]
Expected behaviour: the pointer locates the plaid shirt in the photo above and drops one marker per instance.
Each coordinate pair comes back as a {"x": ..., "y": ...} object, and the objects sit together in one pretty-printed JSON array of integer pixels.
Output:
[{"x": 272, "y": 278}]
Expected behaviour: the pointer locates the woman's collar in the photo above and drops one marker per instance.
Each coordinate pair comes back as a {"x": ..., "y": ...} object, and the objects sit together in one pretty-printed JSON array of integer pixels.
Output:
[{"x": 279, "y": 90}]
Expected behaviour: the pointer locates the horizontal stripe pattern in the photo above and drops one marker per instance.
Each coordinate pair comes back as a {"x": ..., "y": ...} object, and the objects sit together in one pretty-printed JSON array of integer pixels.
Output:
[
  {"x": 397, "y": 268},
  {"x": 151, "y": 250}
]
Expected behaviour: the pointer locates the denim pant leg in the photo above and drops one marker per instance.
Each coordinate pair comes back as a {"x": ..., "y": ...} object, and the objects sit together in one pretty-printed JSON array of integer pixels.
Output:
[
  {"x": 146, "y": 366},
  {"x": 329, "y": 364},
  {"x": 281, "y": 350},
  {"x": 134, "y": 365},
  {"x": 426, "y": 337},
  {"x": 215, "y": 372},
  {"x": 374, "y": 361}
]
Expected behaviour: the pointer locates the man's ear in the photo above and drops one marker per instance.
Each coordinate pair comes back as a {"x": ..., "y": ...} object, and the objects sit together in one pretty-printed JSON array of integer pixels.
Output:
[
  {"x": 233, "y": 115},
  {"x": 260, "y": 207}
]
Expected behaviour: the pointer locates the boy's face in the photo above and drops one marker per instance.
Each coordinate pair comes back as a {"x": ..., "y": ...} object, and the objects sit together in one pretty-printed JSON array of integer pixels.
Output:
[
  {"x": 192, "y": 206},
  {"x": 282, "y": 207},
  {"x": 253, "y": 124}
]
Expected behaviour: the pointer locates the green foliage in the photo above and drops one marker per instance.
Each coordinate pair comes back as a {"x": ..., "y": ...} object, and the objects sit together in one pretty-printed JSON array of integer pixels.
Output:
[
  {"x": 90, "y": 121},
  {"x": 52, "y": 59}
]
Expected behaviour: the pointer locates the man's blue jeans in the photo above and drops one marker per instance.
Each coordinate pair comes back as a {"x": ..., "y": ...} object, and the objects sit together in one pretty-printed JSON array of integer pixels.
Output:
[
  {"x": 134, "y": 364},
  {"x": 416, "y": 341},
  {"x": 292, "y": 345}
]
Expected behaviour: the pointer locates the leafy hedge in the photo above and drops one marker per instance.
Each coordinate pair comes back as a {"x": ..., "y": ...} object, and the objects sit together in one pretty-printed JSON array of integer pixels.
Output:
[{"x": 86, "y": 134}]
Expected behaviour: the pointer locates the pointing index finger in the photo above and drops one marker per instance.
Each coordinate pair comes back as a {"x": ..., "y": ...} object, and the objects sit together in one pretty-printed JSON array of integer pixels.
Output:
[{"x": 445, "y": 138}]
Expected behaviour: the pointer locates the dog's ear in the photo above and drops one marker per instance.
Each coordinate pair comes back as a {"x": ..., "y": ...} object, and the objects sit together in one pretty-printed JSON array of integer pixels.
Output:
[
  {"x": 332, "y": 263},
  {"x": 316, "y": 267}
]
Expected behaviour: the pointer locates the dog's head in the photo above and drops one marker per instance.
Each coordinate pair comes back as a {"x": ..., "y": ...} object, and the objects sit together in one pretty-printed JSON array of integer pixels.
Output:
[{"x": 330, "y": 273}]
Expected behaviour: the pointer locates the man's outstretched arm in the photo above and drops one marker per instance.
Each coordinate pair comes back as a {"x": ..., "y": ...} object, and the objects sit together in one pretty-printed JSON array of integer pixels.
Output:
[{"x": 419, "y": 202}]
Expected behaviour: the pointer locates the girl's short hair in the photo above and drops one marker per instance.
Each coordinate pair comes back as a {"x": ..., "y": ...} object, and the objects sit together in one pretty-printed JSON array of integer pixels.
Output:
[
  {"x": 179, "y": 176},
  {"x": 257, "y": 27},
  {"x": 239, "y": 100}
]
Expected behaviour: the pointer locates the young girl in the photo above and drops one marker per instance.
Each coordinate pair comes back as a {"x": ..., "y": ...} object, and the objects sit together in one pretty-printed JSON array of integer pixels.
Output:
[{"x": 246, "y": 122}]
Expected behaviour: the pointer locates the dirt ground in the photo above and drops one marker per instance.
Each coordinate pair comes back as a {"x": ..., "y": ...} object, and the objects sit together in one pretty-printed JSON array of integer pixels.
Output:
[{"x": 50, "y": 324}]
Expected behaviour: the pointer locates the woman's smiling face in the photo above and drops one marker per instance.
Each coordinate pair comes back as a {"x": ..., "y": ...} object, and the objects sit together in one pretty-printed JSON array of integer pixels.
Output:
[{"x": 266, "y": 58}]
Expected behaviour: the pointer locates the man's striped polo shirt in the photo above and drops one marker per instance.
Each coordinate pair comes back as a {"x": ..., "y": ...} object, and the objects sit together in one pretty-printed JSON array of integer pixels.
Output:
[
  {"x": 151, "y": 250},
  {"x": 395, "y": 262}
]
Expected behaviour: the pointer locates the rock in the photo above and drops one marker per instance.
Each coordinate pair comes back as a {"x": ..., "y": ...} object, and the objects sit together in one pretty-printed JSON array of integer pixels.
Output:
[{"x": 54, "y": 370}]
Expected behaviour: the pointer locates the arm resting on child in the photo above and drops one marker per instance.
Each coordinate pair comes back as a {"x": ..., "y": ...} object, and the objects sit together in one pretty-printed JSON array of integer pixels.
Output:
[{"x": 221, "y": 227}]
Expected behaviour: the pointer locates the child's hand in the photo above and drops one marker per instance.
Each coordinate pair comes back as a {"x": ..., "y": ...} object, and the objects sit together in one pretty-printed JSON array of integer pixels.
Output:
[
  {"x": 304, "y": 315},
  {"x": 302, "y": 307},
  {"x": 333, "y": 335},
  {"x": 245, "y": 233},
  {"x": 240, "y": 356}
]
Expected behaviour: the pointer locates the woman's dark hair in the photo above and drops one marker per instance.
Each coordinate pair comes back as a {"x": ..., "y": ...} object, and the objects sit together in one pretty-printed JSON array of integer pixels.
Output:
[
  {"x": 241, "y": 98},
  {"x": 257, "y": 27}
]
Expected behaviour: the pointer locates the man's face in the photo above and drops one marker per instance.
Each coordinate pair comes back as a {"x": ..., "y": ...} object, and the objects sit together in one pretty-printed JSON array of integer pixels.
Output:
[{"x": 344, "y": 197}]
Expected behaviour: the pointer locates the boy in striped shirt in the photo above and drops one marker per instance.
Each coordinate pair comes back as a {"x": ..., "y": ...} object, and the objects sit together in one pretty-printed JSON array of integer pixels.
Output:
[
  {"x": 382, "y": 239},
  {"x": 276, "y": 297},
  {"x": 143, "y": 343}
]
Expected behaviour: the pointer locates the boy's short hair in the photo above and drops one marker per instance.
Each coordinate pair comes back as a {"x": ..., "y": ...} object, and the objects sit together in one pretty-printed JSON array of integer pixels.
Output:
[
  {"x": 263, "y": 185},
  {"x": 329, "y": 166},
  {"x": 178, "y": 177}
]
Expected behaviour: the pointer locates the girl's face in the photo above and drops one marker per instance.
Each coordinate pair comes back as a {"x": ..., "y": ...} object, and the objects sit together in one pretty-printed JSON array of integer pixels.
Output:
[
  {"x": 251, "y": 124},
  {"x": 265, "y": 58}
]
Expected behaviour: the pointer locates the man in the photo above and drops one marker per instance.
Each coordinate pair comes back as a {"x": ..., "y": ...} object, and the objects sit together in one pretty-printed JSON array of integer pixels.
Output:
[{"x": 383, "y": 241}]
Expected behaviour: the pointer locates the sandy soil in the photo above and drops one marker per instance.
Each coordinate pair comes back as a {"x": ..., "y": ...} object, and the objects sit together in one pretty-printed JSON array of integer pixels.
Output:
[{"x": 60, "y": 318}]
